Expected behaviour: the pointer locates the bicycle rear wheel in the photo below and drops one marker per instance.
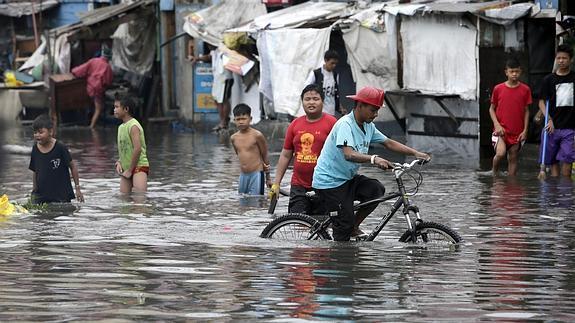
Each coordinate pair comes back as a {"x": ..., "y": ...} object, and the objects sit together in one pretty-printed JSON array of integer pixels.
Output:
[
  {"x": 294, "y": 226},
  {"x": 431, "y": 233}
]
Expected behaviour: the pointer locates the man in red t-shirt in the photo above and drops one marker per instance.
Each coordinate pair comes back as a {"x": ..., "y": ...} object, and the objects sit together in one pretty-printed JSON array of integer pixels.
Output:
[
  {"x": 303, "y": 142},
  {"x": 510, "y": 117}
]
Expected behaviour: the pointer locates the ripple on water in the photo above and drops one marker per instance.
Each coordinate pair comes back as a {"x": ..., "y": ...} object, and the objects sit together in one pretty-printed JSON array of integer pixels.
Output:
[{"x": 189, "y": 248}]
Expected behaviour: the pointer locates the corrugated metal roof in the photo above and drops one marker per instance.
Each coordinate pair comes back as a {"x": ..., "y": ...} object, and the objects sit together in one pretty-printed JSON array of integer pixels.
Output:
[
  {"x": 459, "y": 7},
  {"x": 102, "y": 14},
  {"x": 295, "y": 16},
  {"x": 25, "y": 8}
]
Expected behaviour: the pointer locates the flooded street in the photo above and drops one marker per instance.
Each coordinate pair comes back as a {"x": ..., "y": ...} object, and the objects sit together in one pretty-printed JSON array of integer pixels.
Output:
[{"x": 189, "y": 249}]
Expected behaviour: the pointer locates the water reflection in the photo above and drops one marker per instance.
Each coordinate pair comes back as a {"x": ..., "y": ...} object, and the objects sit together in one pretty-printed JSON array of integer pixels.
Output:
[
  {"x": 556, "y": 193},
  {"x": 188, "y": 249}
]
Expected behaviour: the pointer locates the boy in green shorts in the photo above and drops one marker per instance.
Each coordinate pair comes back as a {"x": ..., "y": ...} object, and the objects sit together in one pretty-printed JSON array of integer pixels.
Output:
[{"x": 133, "y": 166}]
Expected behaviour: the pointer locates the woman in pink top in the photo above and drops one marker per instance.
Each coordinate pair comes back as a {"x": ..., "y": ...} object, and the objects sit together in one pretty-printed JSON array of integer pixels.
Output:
[{"x": 98, "y": 74}]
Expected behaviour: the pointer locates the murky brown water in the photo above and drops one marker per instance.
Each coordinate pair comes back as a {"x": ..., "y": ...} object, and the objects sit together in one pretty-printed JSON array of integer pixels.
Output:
[{"x": 189, "y": 249}]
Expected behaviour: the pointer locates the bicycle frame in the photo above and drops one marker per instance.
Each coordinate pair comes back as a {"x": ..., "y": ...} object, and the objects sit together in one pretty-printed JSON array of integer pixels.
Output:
[{"x": 402, "y": 200}]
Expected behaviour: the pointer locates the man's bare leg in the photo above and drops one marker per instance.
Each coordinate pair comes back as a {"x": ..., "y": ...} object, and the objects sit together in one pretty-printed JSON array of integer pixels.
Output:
[
  {"x": 97, "y": 110},
  {"x": 225, "y": 117}
]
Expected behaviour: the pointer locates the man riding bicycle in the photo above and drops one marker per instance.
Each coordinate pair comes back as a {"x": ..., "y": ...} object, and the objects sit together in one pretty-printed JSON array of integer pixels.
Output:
[{"x": 335, "y": 176}]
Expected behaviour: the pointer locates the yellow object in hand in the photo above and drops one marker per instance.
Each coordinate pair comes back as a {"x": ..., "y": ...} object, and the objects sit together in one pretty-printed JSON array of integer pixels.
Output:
[{"x": 274, "y": 191}]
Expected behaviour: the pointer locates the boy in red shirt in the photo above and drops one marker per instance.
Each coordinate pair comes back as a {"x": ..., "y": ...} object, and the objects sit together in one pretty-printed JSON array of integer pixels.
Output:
[
  {"x": 303, "y": 143},
  {"x": 510, "y": 117}
]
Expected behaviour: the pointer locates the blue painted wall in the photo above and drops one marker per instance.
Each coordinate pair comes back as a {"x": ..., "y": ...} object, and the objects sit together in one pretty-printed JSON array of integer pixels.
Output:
[{"x": 65, "y": 13}]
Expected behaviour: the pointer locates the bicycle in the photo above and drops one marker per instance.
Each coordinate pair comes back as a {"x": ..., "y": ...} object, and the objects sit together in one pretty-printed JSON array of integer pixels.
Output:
[{"x": 295, "y": 226}]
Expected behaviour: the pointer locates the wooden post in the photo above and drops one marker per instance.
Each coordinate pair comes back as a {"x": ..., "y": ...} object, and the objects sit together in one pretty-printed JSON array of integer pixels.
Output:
[{"x": 36, "y": 39}]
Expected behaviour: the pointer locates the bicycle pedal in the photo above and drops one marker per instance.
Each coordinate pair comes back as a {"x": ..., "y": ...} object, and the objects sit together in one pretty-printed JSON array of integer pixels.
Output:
[{"x": 361, "y": 237}]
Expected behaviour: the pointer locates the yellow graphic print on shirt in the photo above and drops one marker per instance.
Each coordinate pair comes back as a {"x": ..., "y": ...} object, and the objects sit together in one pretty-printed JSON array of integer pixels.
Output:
[{"x": 306, "y": 155}]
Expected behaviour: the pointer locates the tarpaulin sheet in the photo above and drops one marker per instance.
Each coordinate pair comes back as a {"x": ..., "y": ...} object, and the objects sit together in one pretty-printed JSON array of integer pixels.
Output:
[
  {"x": 439, "y": 55},
  {"x": 507, "y": 15},
  {"x": 210, "y": 23},
  {"x": 372, "y": 56},
  {"x": 133, "y": 48},
  {"x": 286, "y": 58},
  {"x": 295, "y": 16}
]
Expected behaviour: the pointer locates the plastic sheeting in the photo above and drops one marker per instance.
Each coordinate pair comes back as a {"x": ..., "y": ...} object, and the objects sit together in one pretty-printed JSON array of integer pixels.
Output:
[
  {"x": 506, "y": 16},
  {"x": 37, "y": 57},
  {"x": 134, "y": 45},
  {"x": 286, "y": 58},
  {"x": 372, "y": 56},
  {"x": 439, "y": 55},
  {"x": 249, "y": 96},
  {"x": 210, "y": 23},
  {"x": 295, "y": 16},
  {"x": 61, "y": 53}
]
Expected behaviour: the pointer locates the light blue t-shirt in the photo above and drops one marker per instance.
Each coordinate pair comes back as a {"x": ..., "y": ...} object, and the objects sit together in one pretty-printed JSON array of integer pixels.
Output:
[{"x": 332, "y": 170}]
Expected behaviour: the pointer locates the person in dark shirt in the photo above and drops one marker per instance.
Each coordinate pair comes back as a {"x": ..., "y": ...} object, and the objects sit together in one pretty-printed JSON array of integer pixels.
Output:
[
  {"x": 49, "y": 162},
  {"x": 558, "y": 90}
]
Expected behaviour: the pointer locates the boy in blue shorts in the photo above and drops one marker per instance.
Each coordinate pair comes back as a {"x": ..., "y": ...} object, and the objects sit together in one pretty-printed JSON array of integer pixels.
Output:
[
  {"x": 558, "y": 89},
  {"x": 252, "y": 150}
]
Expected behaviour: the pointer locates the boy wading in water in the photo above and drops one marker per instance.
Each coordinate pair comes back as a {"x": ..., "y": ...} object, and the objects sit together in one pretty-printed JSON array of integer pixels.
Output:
[
  {"x": 133, "y": 166},
  {"x": 559, "y": 90},
  {"x": 510, "y": 115},
  {"x": 50, "y": 161},
  {"x": 252, "y": 150}
]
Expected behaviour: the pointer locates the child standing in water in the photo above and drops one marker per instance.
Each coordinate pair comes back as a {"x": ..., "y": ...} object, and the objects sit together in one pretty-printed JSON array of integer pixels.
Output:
[
  {"x": 133, "y": 166},
  {"x": 510, "y": 115},
  {"x": 50, "y": 161},
  {"x": 252, "y": 150}
]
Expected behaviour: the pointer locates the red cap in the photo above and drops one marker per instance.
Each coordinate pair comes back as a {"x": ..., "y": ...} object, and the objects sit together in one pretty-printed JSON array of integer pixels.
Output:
[{"x": 369, "y": 95}]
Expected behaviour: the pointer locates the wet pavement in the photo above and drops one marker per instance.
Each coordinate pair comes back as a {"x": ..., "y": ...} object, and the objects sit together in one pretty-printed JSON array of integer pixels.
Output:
[{"x": 189, "y": 249}]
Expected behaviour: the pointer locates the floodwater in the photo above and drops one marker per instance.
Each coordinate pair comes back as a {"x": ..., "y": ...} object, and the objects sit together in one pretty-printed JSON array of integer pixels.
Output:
[{"x": 189, "y": 249}]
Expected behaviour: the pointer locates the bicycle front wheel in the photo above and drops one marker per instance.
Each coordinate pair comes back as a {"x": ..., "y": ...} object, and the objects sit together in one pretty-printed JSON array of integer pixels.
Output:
[
  {"x": 294, "y": 226},
  {"x": 431, "y": 233}
]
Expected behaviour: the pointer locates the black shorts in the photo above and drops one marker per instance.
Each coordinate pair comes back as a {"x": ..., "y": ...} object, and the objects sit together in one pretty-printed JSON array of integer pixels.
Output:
[
  {"x": 228, "y": 89},
  {"x": 341, "y": 199},
  {"x": 300, "y": 202}
]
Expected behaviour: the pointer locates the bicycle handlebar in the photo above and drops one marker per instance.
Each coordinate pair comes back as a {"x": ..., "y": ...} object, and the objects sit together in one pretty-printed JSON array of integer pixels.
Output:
[{"x": 405, "y": 166}]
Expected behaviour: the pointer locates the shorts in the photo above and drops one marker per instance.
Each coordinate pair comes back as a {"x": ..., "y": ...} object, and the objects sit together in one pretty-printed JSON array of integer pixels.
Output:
[
  {"x": 509, "y": 141},
  {"x": 559, "y": 147},
  {"x": 300, "y": 202},
  {"x": 222, "y": 90},
  {"x": 252, "y": 183},
  {"x": 340, "y": 199},
  {"x": 141, "y": 169}
]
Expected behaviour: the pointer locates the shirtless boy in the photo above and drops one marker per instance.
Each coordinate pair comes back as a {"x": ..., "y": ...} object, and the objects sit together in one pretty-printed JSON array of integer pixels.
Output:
[{"x": 252, "y": 150}]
